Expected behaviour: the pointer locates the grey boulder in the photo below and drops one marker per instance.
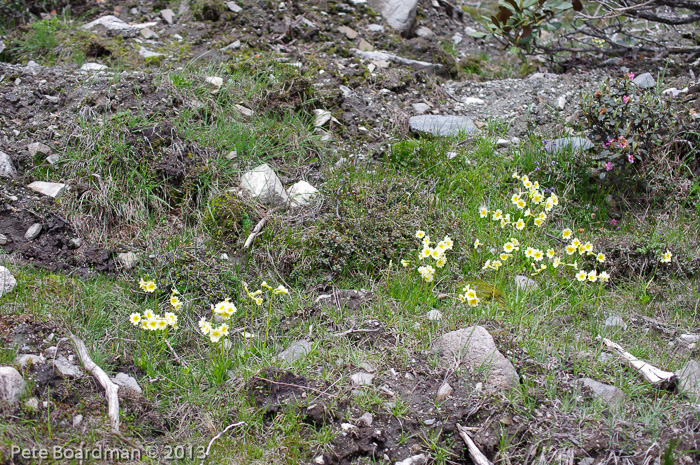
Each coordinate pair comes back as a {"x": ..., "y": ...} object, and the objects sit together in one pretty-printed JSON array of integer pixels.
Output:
[
  {"x": 11, "y": 384},
  {"x": 399, "y": 14}
]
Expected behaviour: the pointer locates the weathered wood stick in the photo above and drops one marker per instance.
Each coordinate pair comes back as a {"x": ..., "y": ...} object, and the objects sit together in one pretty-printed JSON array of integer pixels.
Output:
[{"x": 477, "y": 456}]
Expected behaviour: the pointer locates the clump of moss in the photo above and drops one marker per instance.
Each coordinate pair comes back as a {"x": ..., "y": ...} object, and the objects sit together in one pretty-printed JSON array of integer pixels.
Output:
[{"x": 226, "y": 216}]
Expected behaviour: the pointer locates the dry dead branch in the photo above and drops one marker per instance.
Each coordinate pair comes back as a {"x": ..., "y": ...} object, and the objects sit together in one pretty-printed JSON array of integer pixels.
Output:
[
  {"x": 232, "y": 425},
  {"x": 652, "y": 374},
  {"x": 477, "y": 456}
]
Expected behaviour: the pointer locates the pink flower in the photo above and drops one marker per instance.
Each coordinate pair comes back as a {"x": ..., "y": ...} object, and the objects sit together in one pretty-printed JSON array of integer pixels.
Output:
[
  {"x": 608, "y": 166},
  {"x": 613, "y": 222},
  {"x": 625, "y": 98},
  {"x": 631, "y": 76},
  {"x": 610, "y": 141},
  {"x": 630, "y": 158}
]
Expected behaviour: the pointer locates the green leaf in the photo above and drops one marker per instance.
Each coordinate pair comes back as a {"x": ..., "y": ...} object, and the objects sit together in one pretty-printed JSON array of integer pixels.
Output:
[{"x": 479, "y": 35}]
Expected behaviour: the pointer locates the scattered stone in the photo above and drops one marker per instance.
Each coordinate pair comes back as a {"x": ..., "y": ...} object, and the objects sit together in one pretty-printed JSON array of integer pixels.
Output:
[
  {"x": 303, "y": 194},
  {"x": 473, "y": 101},
  {"x": 525, "y": 284},
  {"x": 243, "y": 111},
  {"x": 234, "y": 7},
  {"x": 388, "y": 57},
  {"x": 561, "y": 102},
  {"x": 38, "y": 147},
  {"x": 321, "y": 117},
  {"x": 502, "y": 143},
  {"x": 145, "y": 53},
  {"x": 576, "y": 144},
  {"x": 28, "y": 359},
  {"x": 420, "y": 107},
  {"x": 689, "y": 338},
  {"x": 320, "y": 460},
  {"x": 349, "y": 32},
  {"x": 126, "y": 381},
  {"x": 177, "y": 37},
  {"x": 2, "y": 46},
  {"x": 215, "y": 81},
  {"x": 51, "y": 189},
  {"x": 365, "y": 46},
  {"x": 7, "y": 281},
  {"x": 32, "y": 404},
  {"x": 689, "y": 380},
  {"x": 444, "y": 392},
  {"x": 434, "y": 315},
  {"x": 92, "y": 67},
  {"x": 76, "y": 242},
  {"x": 77, "y": 420},
  {"x": 645, "y": 80},
  {"x": 439, "y": 125},
  {"x": 348, "y": 427},
  {"x": 399, "y": 14},
  {"x": 232, "y": 155},
  {"x": 11, "y": 384},
  {"x": 424, "y": 32},
  {"x": 33, "y": 67},
  {"x": 611, "y": 395},
  {"x": 475, "y": 348},
  {"x": 33, "y": 232},
  {"x": 375, "y": 28},
  {"x": 4, "y": 240},
  {"x": 457, "y": 38},
  {"x": 361, "y": 379},
  {"x": 53, "y": 158},
  {"x": 233, "y": 45},
  {"x": 365, "y": 420},
  {"x": 148, "y": 33},
  {"x": 128, "y": 260},
  {"x": 614, "y": 320},
  {"x": 297, "y": 350},
  {"x": 419, "y": 459},
  {"x": 450, "y": 156},
  {"x": 263, "y": 184},
  {"x": 66, "y": 369},
  {"x": 7, "y": 168},
  {"x": 168, "y": 15}
]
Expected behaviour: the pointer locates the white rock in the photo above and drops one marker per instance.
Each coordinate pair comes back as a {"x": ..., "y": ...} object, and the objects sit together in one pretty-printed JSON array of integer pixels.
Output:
[
  {"x": 216, "y": 81},
  {"x": 561, "y": 102},
  {"x": 233, "y": 45},
  {"x": 297, "y": 350},
  {"x": 302, "y": 194},
  {"x": 474, "y": 347},
  {"x": 424, "y": 32},
  {"x": 145, "y": 53},
  {"x": 67, "y": 369},
  {"x": 4, "y": 240},
  {"x": 38, "y": 147},
  {"x": 444, "y": 392},
  {"x": 148, "y": 33},
  {"x": 234, "y": 7},
  {"x": 434, "y": 315},
  {"x": 525, "y": 284},
  {"x": 457, "y": 38},
  {"x": 247, "y": 112},
  {"x": 473, "y": 101},
  {"x": 614, "y": 320},
  {"x": 2, "y": 46},
  {"x": 451, "y": 156},
  {"x": 115, "y": 24},
  {"x": 645, "y": 80},
  {"x": 365, "y": 420},
  {"x": 400, "y": 14},
  {"x": 320, "y": 460},
  {"x": 126, "y": 381},
  {"x": 32, "y": 404},
  {"x": 361, "y": 379},
  {"x": 24, "y": 360},
  {"x": 420, "y": 107},
  {"x": 263, "y": 184},
  {"x": 348, "y": 427},
  {"x": 689, "y": 380},
  {"x": 33, "y": 231},
  {"x": 419, "y": 459},
  {"x": 375, "y": 28},
  {"x": 689, "y": 338},
  {"x": 11, "y": 384},
  {"x": 77, "y": 420},
  {"x": 609, "y": 394},
  {"x": 7, "y": 281},
  {"x": 168, "y": 15},
  {"x": 92, "y": 67},
  {"x": 7, "y": 168},
  {"x": 502, "y": 143},
  {"x": 51, "y": 189},
  {"x": 33, "y": 67},
  {"x": 128, "y": 260},
  {"x": 377, "y": 56}
]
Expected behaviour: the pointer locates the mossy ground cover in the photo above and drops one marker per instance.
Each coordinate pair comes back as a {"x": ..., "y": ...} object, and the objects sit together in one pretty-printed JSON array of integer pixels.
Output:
[{"x": 165, "y": 185}]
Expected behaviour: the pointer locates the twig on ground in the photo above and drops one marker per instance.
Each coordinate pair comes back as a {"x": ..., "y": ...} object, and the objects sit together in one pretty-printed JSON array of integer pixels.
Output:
[
  {"x": 350, "y": 331},
  {"x": 477, "y": 456},
  {"x": 649, "y": 372},
  {"x": 232, "y": 425},
  {"x": 111, "y": 389},
  {"x": 258, "y": 228},
  {"x": 178, "y": 360}
]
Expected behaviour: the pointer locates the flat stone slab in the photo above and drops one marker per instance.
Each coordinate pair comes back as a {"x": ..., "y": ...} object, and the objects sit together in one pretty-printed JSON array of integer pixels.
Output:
[
  {"x": 689, "y": 380},
  {"x": 11, "y": 384},
  {"x": 474, "y": 347},
  {"x": 126, "y": 381},
  {"x": 645, "y": 80},
  {"x": 609, "y": 394},
  {"x": 575, "y": 144},
  {"x": 51, "y": 189},
  {"x": 440, "y": 125},
  {"x": 7, "y": 168},
  {"x": 297, "y": 350},
  {"x": 379, "y": 56}
]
